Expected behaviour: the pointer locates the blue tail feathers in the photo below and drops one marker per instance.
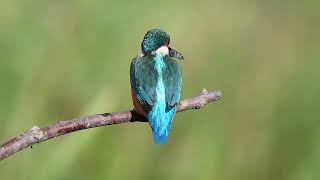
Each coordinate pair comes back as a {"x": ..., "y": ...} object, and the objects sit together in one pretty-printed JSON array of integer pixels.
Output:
[{"x": 160, "y": 120}]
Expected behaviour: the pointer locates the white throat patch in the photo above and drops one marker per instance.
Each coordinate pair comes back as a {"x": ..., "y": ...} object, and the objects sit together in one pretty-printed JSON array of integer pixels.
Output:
[{"x": 163, "y": 50}]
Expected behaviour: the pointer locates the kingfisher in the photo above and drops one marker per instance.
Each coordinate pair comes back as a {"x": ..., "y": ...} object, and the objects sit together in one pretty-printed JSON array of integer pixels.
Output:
[{"x": 156, "y": 81}]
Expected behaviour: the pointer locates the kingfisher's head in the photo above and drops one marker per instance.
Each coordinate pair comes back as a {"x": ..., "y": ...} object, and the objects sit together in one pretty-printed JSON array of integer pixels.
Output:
[{"x": 157, "y": 40}]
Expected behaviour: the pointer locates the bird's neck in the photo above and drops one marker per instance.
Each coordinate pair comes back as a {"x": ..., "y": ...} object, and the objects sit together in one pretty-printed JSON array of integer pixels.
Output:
[{"x": 162, "y": 51}]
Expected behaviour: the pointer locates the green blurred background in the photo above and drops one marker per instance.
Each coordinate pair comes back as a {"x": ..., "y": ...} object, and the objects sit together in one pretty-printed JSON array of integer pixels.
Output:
[{"x": 65, "y": 59}]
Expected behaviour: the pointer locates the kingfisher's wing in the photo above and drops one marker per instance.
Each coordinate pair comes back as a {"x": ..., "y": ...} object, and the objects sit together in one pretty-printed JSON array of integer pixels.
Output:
[
  {"x": 172, "y": 78},
  {"x": 143, "y": 80}
]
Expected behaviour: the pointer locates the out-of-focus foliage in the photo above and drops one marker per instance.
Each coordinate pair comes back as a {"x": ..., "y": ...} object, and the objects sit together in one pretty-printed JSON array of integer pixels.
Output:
[{"x": 65, "y": 59}]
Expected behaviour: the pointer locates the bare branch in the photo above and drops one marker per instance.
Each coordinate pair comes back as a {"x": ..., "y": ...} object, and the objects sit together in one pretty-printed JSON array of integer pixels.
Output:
[{"x": 35, "y": 134}]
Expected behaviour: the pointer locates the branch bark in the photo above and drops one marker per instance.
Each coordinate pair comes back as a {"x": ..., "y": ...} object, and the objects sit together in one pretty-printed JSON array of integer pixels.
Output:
[{"x": 35, "y": 134}]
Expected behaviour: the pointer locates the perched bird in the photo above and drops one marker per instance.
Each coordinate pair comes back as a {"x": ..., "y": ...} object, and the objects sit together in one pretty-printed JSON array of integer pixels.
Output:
[{"x": 156, "y": 81}]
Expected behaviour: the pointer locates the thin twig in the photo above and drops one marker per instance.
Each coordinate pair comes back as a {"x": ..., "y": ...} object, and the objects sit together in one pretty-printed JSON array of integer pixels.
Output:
[{"x": 35, "y": 134}]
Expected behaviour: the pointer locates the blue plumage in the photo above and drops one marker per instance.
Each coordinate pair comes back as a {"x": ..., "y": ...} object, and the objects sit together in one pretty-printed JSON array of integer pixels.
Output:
[
  {"x": 159, "y": 118},
  {"x": 160, "y": 122},
  {"x": 156, "y": 83}
]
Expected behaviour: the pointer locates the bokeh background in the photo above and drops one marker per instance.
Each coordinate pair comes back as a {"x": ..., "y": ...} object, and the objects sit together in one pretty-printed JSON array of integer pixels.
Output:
[{"x": 65, "y": 59}]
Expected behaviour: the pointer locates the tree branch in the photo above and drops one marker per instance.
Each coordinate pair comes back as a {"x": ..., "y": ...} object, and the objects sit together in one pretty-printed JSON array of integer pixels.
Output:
[{"x": 35, "y": 134}]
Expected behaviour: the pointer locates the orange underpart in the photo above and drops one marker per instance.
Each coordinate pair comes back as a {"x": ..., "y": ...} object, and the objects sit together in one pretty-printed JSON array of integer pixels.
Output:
[{"x": 136, "y": 104}]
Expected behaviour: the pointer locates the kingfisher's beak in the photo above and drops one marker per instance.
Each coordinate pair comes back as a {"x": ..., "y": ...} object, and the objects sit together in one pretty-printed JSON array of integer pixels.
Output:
[{"x": 175, "y": 54}]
